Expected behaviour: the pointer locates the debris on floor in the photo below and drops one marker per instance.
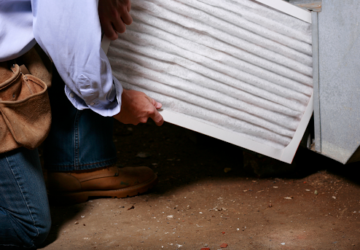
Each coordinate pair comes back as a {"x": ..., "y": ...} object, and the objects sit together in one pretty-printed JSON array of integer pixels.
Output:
[
  {"x": 143, "y": 155},
  {"x": 209, "y": 207}
]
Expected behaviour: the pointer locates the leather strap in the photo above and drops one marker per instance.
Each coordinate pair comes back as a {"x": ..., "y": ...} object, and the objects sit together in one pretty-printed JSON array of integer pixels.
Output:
[{"x": 24, "y": 70}]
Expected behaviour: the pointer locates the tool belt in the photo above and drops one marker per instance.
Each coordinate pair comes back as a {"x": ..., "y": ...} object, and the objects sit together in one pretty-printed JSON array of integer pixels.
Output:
[{"x": 25, "y": 114}]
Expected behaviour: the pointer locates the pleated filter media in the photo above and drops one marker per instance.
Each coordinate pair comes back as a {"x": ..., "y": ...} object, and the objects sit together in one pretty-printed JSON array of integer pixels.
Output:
[{"x": 237, "y": 70}]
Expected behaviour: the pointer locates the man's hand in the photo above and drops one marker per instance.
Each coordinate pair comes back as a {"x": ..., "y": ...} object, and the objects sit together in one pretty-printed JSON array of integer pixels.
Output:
[
  {"x": 114, "y": 16},
  {"x": 136, "y": 107}
]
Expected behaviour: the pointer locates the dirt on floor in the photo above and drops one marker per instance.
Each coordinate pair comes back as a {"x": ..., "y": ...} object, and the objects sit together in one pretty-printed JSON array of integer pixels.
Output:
[{"x": 210, "y": 193}]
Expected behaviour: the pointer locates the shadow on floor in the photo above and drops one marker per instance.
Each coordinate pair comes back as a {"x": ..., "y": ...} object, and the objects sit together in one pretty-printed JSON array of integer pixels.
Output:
[{"x": 181, "y": 157}]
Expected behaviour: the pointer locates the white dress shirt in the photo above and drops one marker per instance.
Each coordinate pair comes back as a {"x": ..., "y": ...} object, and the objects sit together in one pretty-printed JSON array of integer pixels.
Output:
[{"x": 69, "y": 32}]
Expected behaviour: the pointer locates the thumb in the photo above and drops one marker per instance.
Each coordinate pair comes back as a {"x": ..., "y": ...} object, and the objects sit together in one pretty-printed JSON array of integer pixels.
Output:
[{"x": 156, "y": 104}]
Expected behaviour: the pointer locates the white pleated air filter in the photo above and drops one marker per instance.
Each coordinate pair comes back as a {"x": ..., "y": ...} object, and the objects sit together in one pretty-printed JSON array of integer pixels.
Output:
[{"x": 236, "y": 70}]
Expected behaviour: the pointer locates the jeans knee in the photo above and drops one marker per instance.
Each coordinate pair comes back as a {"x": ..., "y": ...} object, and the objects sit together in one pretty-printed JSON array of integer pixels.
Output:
[
  {"x": 43, "y": 230},
  {"x": 36, "y": 234},
  {"x": 24, "y": 234}
]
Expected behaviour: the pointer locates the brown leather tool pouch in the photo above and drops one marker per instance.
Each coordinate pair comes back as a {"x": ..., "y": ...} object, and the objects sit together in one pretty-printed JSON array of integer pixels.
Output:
[{"x": 25, "y": 114}]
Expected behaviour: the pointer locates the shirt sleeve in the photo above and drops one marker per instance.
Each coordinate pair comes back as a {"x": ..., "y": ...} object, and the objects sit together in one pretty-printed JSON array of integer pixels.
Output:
[{"x": 69, "y": 32}]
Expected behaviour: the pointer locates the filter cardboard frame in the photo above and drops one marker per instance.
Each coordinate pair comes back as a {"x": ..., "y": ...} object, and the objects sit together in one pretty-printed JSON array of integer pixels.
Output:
[{"x": 286, "y": 154}]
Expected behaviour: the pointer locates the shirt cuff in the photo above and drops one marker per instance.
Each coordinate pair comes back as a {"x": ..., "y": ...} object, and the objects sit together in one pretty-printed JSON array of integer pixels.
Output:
[{"x": 109, "y": 107}]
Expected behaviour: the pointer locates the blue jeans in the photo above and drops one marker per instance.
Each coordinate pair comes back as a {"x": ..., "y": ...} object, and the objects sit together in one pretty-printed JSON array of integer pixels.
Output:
[
  {"x": 24, "y": 210},
  {"x": 78, "y": 140}
]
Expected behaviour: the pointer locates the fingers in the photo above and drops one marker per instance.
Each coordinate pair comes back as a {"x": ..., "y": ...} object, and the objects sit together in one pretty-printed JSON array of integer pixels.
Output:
[
  {"x": 119, "y": 25},
  {"x": 121, "y": 18},
  {"x": 152, "y": 101},
  {"x": 137, "y": 107},
  {"x": 109, "y": 30},
  {"x": 156, "y": 104},
  {"x": 157, "y": 118},
  {"x": 155, "y": 115},
  {"x": 126, "y": 17},
  {"x": 124, "y": 10},
  {"x": 114, "y": 16},
  {"x": 116, "y": 21}
]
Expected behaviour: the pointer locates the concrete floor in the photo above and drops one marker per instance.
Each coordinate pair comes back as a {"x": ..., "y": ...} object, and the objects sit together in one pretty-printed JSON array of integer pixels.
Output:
[{"x": 199, "y": 202}]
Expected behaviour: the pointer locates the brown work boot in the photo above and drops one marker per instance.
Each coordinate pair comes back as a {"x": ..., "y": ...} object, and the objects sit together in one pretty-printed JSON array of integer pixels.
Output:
[{"x": 76, "y": 187}]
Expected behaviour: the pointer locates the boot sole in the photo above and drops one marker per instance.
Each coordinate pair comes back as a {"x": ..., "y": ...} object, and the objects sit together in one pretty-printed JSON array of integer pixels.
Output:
[{"x": 79, "y": 197}]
